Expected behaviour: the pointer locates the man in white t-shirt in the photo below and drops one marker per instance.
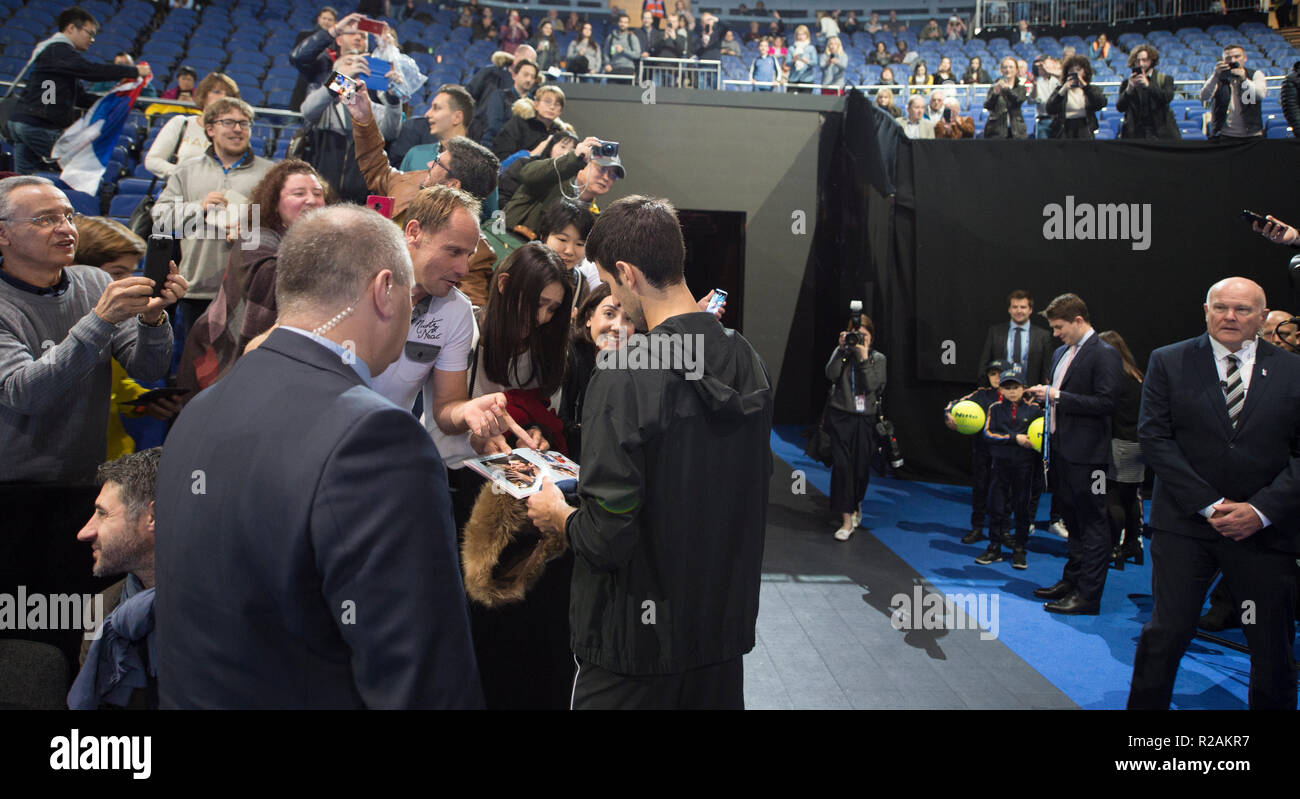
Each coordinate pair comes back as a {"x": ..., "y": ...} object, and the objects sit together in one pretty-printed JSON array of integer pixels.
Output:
[{"x": 441, "y": 234}]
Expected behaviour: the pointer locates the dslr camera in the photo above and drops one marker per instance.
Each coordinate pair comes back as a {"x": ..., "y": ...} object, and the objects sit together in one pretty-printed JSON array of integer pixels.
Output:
[
  {"x": 607, "y": 149},
  {"x": 853, "y": 338}
]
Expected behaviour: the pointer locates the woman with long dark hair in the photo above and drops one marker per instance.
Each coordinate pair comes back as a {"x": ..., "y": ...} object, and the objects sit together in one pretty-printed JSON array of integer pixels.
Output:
[
  {"x": 244, "y": 307},
  {"x": 858, "y": 374},
  {"x": 599, "y": 323},
  {"x": 1127, "y": 469},
  {"x": 522, "y": 646}
]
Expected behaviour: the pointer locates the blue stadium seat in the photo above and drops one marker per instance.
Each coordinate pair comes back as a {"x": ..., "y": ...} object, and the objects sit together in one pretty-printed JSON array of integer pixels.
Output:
[{"x": 122, "y": 205}]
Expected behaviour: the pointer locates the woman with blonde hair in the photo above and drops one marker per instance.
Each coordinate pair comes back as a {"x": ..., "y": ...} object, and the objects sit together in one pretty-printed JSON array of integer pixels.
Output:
[
  {"x": 111, "y": 246},
  {"x": 182, "y": 137},
  {"x": 801, "y": 58}
]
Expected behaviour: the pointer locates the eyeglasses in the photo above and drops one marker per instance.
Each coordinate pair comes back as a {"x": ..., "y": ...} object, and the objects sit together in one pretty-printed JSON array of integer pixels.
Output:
[
  {"x": 45, "y": 220},
  {"x": 450, "y": 175},
  {"x": 242, "y": 124},
  {"x": 91, "y": 32}
]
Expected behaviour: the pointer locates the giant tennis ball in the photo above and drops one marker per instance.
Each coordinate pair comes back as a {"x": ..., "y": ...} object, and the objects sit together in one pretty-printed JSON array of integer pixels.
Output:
[
  {"x": 1035, "y": 433},
  {"x": 968, "y": 416}
]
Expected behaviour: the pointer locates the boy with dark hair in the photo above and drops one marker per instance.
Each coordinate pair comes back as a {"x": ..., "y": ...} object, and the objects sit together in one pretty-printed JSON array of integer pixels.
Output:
[
  {"x": 1013, "y": 460},
  {"x": 984, "y": 396}
]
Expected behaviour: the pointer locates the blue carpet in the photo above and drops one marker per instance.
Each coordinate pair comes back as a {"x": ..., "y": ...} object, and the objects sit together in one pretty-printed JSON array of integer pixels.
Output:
[{"x": 1090, "y": 658}]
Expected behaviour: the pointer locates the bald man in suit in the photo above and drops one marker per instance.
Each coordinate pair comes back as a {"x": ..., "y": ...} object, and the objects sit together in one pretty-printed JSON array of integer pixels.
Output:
[{"x": 1220, "y": 425}]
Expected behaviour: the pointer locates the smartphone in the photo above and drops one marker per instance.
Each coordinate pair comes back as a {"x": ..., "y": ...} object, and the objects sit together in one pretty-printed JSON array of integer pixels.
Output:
[
  {"x": 343, "y": 86},
  {"x": 947, "y": 115},
  {"x": 719, "y": 297},
  {"x": 157, "y": 262},
  {"x": 1250, "y": 218},
  {"x": 371, "y": 26},
  {"x": 149, "y": 396},
  {"x": 382, "y": 204}
]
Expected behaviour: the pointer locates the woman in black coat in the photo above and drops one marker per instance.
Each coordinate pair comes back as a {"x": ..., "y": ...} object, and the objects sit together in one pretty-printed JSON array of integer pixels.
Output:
[
  {"x": 1005, "y": 98},
  {"x": 1074, "y": 105}
]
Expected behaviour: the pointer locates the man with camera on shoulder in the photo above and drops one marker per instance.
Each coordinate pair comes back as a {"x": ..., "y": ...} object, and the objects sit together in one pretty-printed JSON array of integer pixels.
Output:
[{"x": 1236, "y": 97}]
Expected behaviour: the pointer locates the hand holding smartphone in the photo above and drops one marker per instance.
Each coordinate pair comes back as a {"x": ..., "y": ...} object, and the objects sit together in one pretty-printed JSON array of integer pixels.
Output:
[
  {"x": 157, "y": 262},
  {"x": 719, "y": 297}
]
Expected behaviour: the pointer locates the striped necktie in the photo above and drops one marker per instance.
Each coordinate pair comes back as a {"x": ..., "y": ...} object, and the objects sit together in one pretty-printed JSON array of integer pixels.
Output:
[{"x": 1234, "y": 393}]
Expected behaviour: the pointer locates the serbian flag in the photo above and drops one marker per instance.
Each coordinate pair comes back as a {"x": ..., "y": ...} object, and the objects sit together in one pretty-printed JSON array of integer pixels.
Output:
[{"x": 86, "y": 147}]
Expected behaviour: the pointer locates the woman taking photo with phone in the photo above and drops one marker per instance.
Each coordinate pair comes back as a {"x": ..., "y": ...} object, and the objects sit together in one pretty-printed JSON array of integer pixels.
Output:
[
  {"x": 1074, "y": 105},
  {"x": 858, "y": 374}
]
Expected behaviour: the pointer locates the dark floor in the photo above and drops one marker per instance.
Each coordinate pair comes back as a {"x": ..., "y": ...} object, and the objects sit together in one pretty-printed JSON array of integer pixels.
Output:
[{"x": 825, "y": 638}]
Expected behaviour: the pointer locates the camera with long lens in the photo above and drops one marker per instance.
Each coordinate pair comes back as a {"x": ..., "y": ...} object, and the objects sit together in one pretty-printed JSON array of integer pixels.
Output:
[{"x": 853, "y": 338}]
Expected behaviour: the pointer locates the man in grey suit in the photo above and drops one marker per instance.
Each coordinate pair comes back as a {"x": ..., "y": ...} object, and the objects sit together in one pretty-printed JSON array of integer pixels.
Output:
[{"x": 310, "y": 560}]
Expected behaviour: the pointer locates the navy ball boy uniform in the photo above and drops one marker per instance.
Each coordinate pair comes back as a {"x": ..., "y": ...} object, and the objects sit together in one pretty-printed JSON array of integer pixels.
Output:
[
  {"x": 980, "y": 465},
  {"x": 1012, "y": 468}
]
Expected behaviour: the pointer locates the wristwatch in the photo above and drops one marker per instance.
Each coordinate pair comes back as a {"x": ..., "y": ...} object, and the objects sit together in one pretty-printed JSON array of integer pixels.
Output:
[{"x": 162, "y": 320}]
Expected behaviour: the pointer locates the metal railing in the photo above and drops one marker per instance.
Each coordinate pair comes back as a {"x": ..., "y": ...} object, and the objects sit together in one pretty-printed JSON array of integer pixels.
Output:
[
  {"x": 683, "y": 73},
  {"x": 974, "y": 94},
  {"x": 1006, "y": 13}
]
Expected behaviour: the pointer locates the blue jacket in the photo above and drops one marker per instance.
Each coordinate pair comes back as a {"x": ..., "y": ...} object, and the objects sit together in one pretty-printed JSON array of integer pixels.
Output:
[
  {"x": 310, "y": 557},
  {"x": 1003, "y": 422}
]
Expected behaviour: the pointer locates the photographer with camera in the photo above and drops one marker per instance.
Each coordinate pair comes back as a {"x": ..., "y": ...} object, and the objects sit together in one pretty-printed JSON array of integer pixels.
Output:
[
  {"x": 581, "y": 176},
  {"x": 1144, "y": 98},
  {"x": 1075, "y": 103},
  {"x": 858, "y": 373},
  {"x": 1235, "y": 97}
]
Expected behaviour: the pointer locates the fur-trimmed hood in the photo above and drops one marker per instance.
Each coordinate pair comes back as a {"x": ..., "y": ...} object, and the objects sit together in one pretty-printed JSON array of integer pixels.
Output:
[
  {"x": 502, "y": 553},
  {"x": 524, "y": 108}
]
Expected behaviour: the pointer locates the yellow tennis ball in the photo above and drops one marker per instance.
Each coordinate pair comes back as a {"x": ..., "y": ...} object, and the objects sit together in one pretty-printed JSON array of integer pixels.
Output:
[
  {"x": 1036, "y": 433},
  {"x": 968, "y": 416}
]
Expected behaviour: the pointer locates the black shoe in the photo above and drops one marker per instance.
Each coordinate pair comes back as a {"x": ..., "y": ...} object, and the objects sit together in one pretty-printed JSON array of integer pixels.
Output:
[
  {"x": 1135, "y": 552},
  {"x": 991, "y": 555},
  {"x": 1074, "y": 605},
  {"x": 1117, "y": 558},
  {"x": 1018, "y": 558},
  {"x": 1059, "y": 591},
  {"x": 973, "y": 536},
  {"x": 1218, "y": 620}
]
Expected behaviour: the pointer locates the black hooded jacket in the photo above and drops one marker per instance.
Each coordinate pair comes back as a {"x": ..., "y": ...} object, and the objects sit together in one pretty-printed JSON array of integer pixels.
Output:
[{"x": 668, "y": 539}]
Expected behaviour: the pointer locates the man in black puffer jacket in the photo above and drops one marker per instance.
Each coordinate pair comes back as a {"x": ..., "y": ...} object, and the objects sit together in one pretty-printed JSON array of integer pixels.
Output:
[{"x": 54, "y": 97}]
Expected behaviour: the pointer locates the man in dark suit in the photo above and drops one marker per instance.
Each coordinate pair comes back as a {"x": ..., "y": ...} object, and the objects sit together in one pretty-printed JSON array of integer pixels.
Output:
[
  {"x": 1018, "y": 342},
  {"x": 1220, "y": 425},
  {"x": 310, "y": 560},
  {"x": 1080, "y": 400}
]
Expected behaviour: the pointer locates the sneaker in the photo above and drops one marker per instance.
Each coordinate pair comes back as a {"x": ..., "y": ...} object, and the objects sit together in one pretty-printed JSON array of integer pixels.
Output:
[
  {"x": 972, "y": 536},
  {"x": 991, "y": 555},
  {"x": 857, "y": 519},
  {"x": 1058, "y": 527},
  {"x": 1032, "y": 529},
  {"x": 843, "y": 533},
  {"x": 1018, "y": 559}
]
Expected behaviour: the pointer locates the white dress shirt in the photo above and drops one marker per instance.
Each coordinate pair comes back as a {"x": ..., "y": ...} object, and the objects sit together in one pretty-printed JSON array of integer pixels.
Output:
[{"x": 1246, "y": 369}]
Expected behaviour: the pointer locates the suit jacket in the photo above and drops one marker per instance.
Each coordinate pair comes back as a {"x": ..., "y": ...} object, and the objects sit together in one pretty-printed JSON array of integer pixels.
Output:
[
  {"x": 1039, "y": 357},
  {"x": 310, "y": 556},
  {"x": 1198, "y": 457},
  {"x": 1089, "y": 395},
  {"x": 926, "y": 127}
]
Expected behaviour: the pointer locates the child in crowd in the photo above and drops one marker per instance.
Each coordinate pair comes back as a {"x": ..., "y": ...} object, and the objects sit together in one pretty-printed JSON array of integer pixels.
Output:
[
  {"x": 984, "y": 396},
  {"x": 766, "y": 68},
  {"x": 1013, "y": 461}
]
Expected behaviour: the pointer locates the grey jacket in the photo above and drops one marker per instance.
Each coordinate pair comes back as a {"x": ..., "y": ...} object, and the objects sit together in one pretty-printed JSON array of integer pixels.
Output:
[
  {"x": 628, "y": 56},
  {"x": 865, "y": 377},
  {"x": 204, "y": 249},
  {"x": 324, "y": 110}
]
